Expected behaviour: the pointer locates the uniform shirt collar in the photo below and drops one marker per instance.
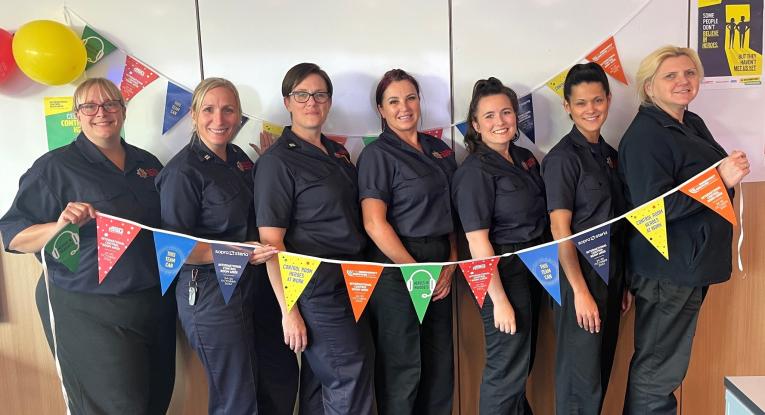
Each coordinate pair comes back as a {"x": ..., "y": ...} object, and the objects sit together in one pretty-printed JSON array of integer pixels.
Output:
[
  {"x": 293, "y": 142},
  {"x": 94, "y": 155},
  {"x": 205, "y": 154},
  {"x": 578, "y": 138}
]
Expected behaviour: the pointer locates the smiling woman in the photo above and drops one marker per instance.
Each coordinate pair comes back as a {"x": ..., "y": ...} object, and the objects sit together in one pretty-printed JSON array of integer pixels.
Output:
[{"x": 116, "y": 339}]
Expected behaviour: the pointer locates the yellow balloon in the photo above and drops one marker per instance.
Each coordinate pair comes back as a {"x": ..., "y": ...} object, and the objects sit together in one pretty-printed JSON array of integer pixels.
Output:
[{"x": 49, "y": 52}]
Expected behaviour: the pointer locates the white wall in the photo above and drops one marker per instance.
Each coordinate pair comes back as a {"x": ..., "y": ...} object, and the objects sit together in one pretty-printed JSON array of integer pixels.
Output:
[{"x": 254, "y": 43}]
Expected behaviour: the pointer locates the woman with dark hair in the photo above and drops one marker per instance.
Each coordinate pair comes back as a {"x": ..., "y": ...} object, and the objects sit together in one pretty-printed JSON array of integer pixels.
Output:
[
  {"x": 206, "y": 191},
  {"x": 584, "y": 190},
  {"x": 665, "y": 146},
  {"x": 306, "y": 202},
  {"x": 500, "y": 197},
  {"x": 404, "y": 181},
  {"x": 113, "y": 340}
]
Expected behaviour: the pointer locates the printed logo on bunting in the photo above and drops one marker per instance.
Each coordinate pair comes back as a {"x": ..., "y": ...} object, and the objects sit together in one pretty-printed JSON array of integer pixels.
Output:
[
  {"x": 296, "y": 272},
  {"x": 420, "y": 282},
  {"x": 135, "y": 78},
  {"x": 596, "y": 247},
  {"x": 360, "y": 281},
  {"x": 652, "y": 224},
  {"x": 114, "y": 238},
  {"x": 64, "y": 247},
  {"x": 96, "y": 46},
  {"x": 543, "y": 263},
  {"x": 556, "y": 84},
  {"x": 526, "y": 117},
  {"x": 177, "y": 105},
  {"x": 478, "y": 274},
  {"x": 230, "y": 262},
  {"x": 710, "y": 190},
  {"x": 60, "y": 122},
  {"x": 172, "y": 252},
  {"x": 607, "y": 57}
]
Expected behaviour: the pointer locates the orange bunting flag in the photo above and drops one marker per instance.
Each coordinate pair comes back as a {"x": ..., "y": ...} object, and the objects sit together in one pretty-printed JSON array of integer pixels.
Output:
[
  {"x": 710, "y": 190},
  {"x": 339, "y": 139},
  {"x": 607, "y": 57},
  {"x": 478, "y": 274},
  {"x": 360, "y": 281}
]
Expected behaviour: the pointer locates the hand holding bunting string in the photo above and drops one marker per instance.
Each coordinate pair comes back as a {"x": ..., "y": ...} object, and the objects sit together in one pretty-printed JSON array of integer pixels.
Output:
[{"x": 542, "y": 260}]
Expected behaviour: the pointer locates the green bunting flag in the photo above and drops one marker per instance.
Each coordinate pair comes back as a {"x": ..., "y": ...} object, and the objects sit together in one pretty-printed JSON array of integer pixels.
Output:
[
  {"x": 97, "y": 46},
  {"x": 64, "y": 247},
  {"x": 420, "y": 282}
]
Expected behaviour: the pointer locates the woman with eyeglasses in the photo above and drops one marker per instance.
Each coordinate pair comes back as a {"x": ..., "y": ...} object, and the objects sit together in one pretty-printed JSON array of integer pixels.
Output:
[
  {"x": 306, "y": 202},
  {"x": 206, "y": 191},
  {"x": 583, "y": 191},
  {"x": 114, "y": 340},
  {"x": 404, "y": 181},
  {"x": 500, "y": 197}
]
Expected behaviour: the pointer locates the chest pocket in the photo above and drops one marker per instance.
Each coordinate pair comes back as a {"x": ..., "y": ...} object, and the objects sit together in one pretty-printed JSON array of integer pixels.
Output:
[
  {"x": 592, "y": 182},
  {"x": 313, "y": 175},
  {"x": 222, "y": 191},
  {"x": 507, "y": 184},
  {"x": 414, "y": 171}
]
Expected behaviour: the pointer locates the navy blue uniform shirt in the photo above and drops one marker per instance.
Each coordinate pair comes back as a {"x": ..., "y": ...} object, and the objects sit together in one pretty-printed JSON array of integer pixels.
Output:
[
  {"x": 313, "y": 195},
  {"x": 204, "y": 196},
  {"x": 582, "y": 177},
  {"x": 79, "y": 172},
  {"x": 414, "y": 185},
  {"x": 508, "y": 199},
  {"x": 656, "y": 154}
]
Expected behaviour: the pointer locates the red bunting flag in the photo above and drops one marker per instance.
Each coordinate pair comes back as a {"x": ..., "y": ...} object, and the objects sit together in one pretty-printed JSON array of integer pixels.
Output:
[
  {"x": 339, "y": 139},
  {"x": 135, "y": 78},
  {"x": 435, "y": 132},
  {"x": 360, "y": 281},
  {"x": 478, "y": 275},
  {"x": 710, "y": 190},
  {"x": 607, "y": 57},
  {"x": 114, "y": 238}
]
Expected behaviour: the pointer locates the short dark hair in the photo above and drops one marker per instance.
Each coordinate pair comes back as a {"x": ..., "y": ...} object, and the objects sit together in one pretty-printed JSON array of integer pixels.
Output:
[
  {"x": 583, "y": 73},
  {"x": 301, "y": 71},
  {"x": 484, "y": 88},
  {"x": 393, "y": 75}
]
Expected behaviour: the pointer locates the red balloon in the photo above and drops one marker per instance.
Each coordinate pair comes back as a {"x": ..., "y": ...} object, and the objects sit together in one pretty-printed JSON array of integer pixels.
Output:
[{"x": 7, "y": 63}]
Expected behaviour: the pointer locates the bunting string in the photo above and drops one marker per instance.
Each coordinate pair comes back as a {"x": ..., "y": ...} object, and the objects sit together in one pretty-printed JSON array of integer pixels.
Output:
[
  {"x": 555, "y": 80},
  {"x": 367, "y": 263}
]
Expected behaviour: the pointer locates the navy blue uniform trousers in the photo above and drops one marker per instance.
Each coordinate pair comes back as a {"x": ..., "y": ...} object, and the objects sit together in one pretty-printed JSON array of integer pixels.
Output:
[
  {"x": 414, "y": 363},
  {"x": 249, "y": 368}
]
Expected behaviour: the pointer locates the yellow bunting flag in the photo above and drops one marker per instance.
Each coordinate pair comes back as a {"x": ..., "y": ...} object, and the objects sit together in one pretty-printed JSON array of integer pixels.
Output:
[
  {"x": 274, "y": 129},
  {"x": 556, "y": 84},
  {"x": 651, "y": 221},
  {"x": 296, "y": 271},
  {"x": 710, "y": 190}
]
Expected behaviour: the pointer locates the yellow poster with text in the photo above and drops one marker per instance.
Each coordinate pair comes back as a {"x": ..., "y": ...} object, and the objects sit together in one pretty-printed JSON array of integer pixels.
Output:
[
  {"x": 651, "y": 221},
  {"x": 274, "y": 129},
  {"x": 742, "y": 60},
  {"x": 296, "y": 272}
]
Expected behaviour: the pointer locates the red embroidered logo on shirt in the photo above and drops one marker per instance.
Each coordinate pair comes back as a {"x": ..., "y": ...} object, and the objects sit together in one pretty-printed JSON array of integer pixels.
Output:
[
  {"x": 343, "y": 155},
  {"x": 531, "y": 162},
  {"x": 146, "y": 173},
  {"x": 244, "y": 165},
  {"x": 442, "y": 154}
]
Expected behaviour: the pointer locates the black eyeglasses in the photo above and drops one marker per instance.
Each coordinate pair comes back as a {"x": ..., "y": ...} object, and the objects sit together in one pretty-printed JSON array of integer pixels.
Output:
[
  {"x": 303, "y": 96},
  {"x": 108, "y": 106}
]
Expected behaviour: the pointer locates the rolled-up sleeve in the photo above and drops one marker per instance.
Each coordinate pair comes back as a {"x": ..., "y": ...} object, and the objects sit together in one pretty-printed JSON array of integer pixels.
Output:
[
  {"x": 375, "y": 175},
  {"x": 274, "y": 192}
]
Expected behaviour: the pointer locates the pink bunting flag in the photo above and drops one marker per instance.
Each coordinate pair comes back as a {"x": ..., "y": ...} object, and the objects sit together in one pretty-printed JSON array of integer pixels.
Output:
[
  {"x": 435, "y": 132},
  {"x": 114, "y": 238}
]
